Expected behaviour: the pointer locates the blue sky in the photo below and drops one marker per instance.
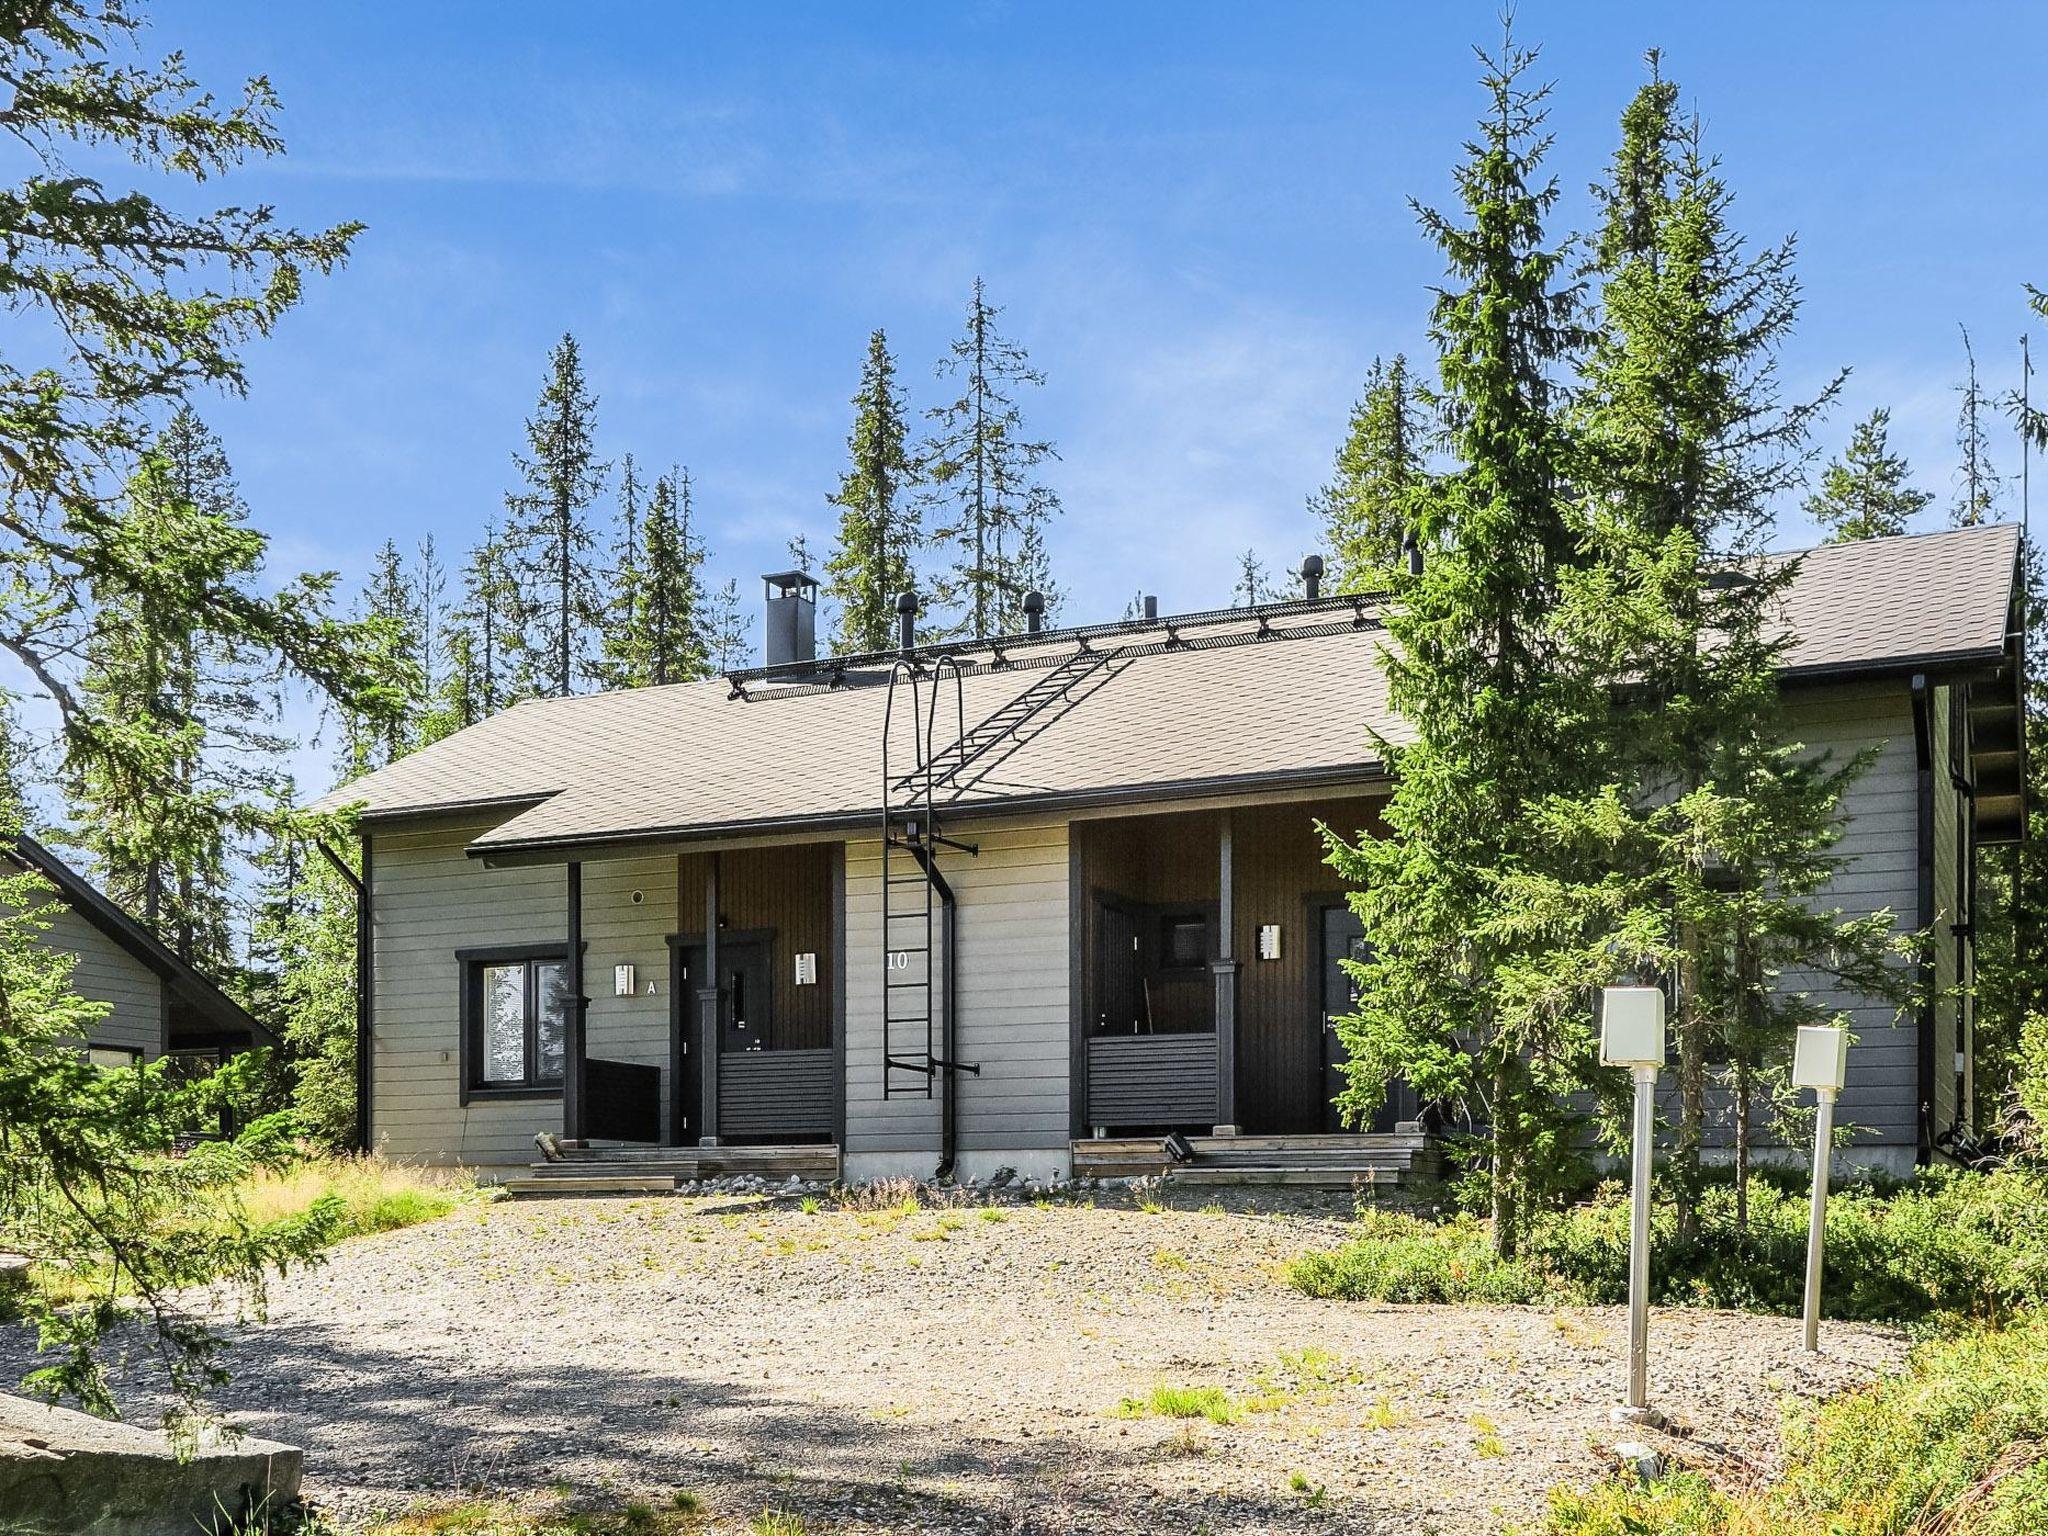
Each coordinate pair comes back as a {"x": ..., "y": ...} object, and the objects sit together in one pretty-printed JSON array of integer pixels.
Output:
[{"x": 1193, "y": 215}]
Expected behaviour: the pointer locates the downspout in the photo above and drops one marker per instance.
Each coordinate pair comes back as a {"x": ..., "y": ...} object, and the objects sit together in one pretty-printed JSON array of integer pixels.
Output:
[
  {"x": 1924, "y": 1053},
  {"x": 365, "y": 975}
]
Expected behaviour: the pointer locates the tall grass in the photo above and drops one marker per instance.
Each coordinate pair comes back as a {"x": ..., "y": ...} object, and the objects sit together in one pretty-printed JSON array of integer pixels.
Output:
[{"x": 375, "y": 1195}]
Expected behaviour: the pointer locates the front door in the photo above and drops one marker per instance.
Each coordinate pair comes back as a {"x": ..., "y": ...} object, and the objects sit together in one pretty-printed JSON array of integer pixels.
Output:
[
  {"x": 1344, "y": 939},
  {"x": 748, "y": 1016}
]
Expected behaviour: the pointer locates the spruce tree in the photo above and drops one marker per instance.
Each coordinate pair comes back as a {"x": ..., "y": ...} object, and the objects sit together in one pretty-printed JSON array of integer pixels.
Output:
[
  {"x": 1366, "y": 511},
  {"x": 879, "y": 525},
  {"x": 1867, "y": 493},
  {"x": 1453, "y": 996},
  {"x": 483, "y": 636},
  {"x": 1715, "y": 830},
  {"x": 727, "y": 626},
  {"x": 990, "y": 510},
  {"x": 547, "y": 530},
  {"x": 615, "y": 668},
  {"x": 1979, "y": 486},
  {"x": 670, "y": 640},
  {"x": 392, "y": 602}
]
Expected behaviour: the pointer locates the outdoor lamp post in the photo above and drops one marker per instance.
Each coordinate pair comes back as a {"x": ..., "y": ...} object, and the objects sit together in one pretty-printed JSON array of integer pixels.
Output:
[
  {"x": 1632, "y": 1036},
  {"x": 1820, "y": 1061}
]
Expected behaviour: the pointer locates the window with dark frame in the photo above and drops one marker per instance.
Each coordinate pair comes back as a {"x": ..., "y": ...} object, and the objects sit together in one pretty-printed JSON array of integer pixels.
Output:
[
  {"x": 518, "y": 1007},
  {"x": 1183, "y": 942}
]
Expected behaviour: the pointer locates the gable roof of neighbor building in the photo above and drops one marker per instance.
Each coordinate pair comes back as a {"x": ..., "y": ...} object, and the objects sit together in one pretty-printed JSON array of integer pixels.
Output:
[
  {"x": 1288, "y": 695},
  {"x": 190, "y": 986}
]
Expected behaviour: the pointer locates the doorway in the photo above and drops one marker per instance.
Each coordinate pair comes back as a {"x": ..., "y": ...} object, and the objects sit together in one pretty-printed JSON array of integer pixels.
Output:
[
  {"x": 745, "y": 965},
  {"x": 1344, "y": 939}
]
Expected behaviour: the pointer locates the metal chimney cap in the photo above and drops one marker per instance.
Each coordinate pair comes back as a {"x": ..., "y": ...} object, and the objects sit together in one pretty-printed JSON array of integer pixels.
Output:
[
  {"x": 1311, "y": 566},
  {"x": 1034, "y": 601},
  {"x": 791, "y": 583},
  {"x": 906, "y": 600}
]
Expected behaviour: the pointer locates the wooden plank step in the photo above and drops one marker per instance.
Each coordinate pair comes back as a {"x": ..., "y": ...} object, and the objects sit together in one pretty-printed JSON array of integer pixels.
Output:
[
  {"x": 600, "y": 1184},
  {"x": 1324, "y": 1178}
]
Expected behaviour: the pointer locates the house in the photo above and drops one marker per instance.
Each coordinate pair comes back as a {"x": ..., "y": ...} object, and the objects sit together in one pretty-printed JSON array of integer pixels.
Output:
[
  {"x": 967, "y": 906},
  {"x": 157, "y": 1004}
]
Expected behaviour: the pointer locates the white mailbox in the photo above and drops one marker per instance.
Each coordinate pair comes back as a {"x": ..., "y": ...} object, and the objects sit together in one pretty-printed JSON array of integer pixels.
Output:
[
  {"x": 1821, "y": 1058},
  {"x": 1632, "y": 1027}
]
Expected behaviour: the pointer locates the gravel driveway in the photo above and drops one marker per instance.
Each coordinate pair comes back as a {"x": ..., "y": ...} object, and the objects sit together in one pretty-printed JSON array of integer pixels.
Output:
[{"x": 956, "y": 1370}]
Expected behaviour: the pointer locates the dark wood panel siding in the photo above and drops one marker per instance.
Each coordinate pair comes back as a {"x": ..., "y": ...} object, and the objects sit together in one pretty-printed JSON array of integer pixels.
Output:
[
  {"x": 1282, "y": 878},
  {"x": 777, "y": 1095},
  {"x": 1144, "y": 1081},
  {"x": 1149, "y": 861},
  {"x": 789, "y": 891}
]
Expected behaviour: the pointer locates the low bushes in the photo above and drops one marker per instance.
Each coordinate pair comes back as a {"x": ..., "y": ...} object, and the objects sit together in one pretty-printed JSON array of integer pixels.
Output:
[
  {"x": 1956, "y": 1444},
  {"x": 1959, "y": 1244}
]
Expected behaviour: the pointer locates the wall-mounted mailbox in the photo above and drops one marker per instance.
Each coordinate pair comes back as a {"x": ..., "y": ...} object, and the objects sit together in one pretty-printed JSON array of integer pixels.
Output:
[
  {"x": 1269, "y": 941},
  {"x": 622, "y": 981},
  {"x": 807, "y": 969}
]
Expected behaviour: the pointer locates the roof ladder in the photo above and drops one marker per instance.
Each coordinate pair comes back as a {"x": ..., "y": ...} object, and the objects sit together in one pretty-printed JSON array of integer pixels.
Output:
[
  {"x": 945, "y": 768},
  {"x": 919, "y": 974}
]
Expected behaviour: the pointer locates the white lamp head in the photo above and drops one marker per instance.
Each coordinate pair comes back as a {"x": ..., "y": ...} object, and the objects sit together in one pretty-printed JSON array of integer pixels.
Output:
[
  {"x": 1632, "y": 1027},
  {"x": 1821, "y": 1058}
]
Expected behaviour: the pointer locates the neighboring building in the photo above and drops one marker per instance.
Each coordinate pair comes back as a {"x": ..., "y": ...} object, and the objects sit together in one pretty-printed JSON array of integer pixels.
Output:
[
  {"x": 157, "y": 1004},
  {"x": 1101, "y": 898}
]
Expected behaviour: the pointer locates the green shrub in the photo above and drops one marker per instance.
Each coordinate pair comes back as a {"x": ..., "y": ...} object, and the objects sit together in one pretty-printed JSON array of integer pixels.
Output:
[
  {"x": 1946, "y": 1243},
  {"x": 1955, "y": 1446}
]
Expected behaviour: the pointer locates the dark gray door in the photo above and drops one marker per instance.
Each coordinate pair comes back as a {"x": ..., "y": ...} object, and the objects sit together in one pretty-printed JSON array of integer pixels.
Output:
[
  {"x": 1118, "y": 1004},
  {"x": 744, "y": 972},
  {"x": 1344, "y": 939}
]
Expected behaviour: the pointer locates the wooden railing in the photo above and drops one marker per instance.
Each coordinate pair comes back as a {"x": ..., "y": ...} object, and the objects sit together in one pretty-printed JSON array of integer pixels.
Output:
[{"x": 1152, "y": 1080}]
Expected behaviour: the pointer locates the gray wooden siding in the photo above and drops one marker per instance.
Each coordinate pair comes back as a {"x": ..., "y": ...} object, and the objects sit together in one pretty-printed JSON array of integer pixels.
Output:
[
  {"x": 107, "y": 973},
  {"x": 430, "y": 899},
  {"x": 1881, "y": 844},
  {"x": 1012, "y": 1001},
  {"x": 619, "y": 931}
]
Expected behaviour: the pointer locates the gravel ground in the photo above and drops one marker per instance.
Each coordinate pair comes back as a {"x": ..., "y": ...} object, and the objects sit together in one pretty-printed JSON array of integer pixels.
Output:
[{"x": 944, "y": 1371}]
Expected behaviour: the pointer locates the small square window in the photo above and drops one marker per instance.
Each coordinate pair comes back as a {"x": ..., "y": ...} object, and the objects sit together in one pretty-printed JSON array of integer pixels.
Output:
[
  {"x": 113, "y": 1058},
  {"x": 1184, "y": 942}
]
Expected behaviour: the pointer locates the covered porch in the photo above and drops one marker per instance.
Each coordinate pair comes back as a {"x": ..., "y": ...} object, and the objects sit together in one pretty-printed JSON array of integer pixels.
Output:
[
  {"x": 718, "y": 1051},
  {"x": 1208, "y": 968}
]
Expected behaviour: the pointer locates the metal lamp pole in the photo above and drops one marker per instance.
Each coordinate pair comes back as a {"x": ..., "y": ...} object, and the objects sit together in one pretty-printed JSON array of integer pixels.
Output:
[
  {"x": 1632, "y": 1036},
  {"x": 1820, "y": 1061}
]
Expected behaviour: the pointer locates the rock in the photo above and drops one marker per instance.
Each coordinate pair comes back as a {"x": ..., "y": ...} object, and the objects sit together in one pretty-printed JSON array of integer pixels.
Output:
[
  {"x": 66, "y": 1471},
  {"x": 1641, "y": 1459}
]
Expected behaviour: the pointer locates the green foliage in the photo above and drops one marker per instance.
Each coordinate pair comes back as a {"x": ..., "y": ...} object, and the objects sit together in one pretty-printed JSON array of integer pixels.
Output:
[
  {"x": 1867, "y": 493},
  {"x": 990, "y": 510},
  {"x": 1948, "y": 1245},
  {"x": 1179, "y": 1402},
  {"x": 880, "y": 527},
  {"x": 1365, "y": 511},
  {"x": 547, "y": 533},
  {"x": 306, "y": 929},
  {"x": 1465, "y": 993},
  {"x": 1951, "y": 1446},
  {"x": 661, "y": 634}
]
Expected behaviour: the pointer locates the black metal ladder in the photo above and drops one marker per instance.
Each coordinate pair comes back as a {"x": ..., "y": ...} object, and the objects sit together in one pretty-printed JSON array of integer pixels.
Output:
[
  {"x": 944, "y": 768},
  {"x": 918, "y": 904}
]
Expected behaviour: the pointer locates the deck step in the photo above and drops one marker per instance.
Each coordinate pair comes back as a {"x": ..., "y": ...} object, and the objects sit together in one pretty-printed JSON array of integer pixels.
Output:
[
  {"x": 1320, "y": 1178},
  {"x": 592, "y": 1184}
]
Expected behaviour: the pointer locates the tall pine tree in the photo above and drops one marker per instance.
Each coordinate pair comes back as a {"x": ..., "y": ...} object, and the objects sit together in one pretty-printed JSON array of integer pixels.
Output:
[
  {"x": 668, "y": 641},
  {"x": 879, "y": 525},
  {"x": 1979, "y": 486},
  {"x": 1366, "y": 512},
  {"x": 1867, "y": 493},
  {"x": 990, "y": 509},
  {"x": 548, "y": 531},
  {"x": 1452, "y": 997}
]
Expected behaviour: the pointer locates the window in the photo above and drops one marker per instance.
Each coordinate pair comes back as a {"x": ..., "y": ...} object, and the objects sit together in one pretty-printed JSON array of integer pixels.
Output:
[
  {"x": 113, "y": 1058},
  {"x": 516, "y": 1017},
  {"x": 1184, "y": 942}
]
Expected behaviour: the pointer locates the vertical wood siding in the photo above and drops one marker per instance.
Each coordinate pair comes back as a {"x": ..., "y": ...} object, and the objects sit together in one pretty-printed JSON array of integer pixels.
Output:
[
  {"x": 787, "y": 890},
  {"x": 1012, "y": 1000}
]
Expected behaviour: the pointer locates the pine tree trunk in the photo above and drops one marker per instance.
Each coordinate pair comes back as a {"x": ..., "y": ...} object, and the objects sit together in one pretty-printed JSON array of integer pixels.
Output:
[
  {"x": 1742, "y": 1091},
  {"x": 1505, "y": 1214},
  {"x": 1692, "y": 1089}
]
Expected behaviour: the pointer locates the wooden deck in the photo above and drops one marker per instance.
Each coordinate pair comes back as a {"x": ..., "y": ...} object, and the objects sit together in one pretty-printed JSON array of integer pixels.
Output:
[
  {"x": 1382, "y": 1160},
  {"x": 658, "y": 1170}
]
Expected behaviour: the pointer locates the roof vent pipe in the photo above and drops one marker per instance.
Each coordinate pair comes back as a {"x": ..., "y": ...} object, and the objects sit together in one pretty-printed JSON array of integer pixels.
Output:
[
  {"x": 1312, "y": 577},
  {"x": 1034, "y": 611},
  {"x": 1151, "y": 608},
  {"x": 906, "y": 620},
  {"x": 1412, "y": 548}
]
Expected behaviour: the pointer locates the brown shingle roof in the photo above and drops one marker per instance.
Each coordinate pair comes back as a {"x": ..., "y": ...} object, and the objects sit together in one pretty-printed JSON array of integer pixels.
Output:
[{"x": 690, "y": 761}]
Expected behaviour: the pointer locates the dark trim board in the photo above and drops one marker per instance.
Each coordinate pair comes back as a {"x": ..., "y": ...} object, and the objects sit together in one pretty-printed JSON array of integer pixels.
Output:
[
  {"x": 838, "y": 871},
  {"x": 1926, "y": 1064}
]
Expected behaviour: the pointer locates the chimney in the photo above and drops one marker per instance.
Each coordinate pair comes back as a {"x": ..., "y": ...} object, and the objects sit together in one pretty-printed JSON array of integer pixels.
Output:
[
  {"x": 1412, "y": 548},
  {"x": 1151, "y": 608},
  {"x": 1034, "y": 611},
  {"x": 906, "y": 620},
  {"x": 1312, "y": 577},
  {"x": 791, "y": 634}
]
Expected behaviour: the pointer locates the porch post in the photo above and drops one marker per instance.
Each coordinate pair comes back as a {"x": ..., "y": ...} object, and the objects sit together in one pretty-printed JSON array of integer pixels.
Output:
[
  {"x": 572, "y": 1048},
  {"x": 709, "y": 995},
  {"x": 1225, "y": 969}
]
